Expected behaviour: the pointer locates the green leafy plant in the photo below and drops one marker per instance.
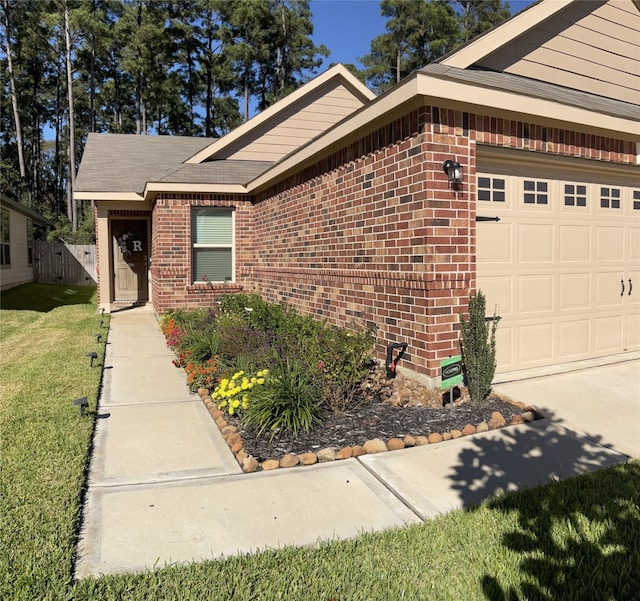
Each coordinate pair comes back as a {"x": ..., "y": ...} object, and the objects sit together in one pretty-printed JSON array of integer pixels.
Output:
[
  {"x": 478, "y": 347},
  {"x": 290, "y": 399}
]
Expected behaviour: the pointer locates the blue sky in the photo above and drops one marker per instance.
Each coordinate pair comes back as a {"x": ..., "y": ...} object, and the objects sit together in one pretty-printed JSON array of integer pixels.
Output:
[{"x": 347, "y": 27}]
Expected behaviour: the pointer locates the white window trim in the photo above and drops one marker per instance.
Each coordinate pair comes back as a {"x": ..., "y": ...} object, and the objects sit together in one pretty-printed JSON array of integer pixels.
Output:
[{"x": 232, "y": 246}]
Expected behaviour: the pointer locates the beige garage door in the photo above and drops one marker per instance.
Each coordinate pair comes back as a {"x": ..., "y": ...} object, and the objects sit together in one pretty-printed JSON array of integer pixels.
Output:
[{"x": 562, "y": 266}]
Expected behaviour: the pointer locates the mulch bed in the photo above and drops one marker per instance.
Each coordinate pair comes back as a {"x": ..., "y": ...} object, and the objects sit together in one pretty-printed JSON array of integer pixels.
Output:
[
  {"x": 369, "y": 420},
  {"x": 382, "y": 409}
]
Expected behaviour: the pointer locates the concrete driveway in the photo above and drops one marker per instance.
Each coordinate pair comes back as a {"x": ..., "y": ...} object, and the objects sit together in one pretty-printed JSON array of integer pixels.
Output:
[{"x": 601, "y": 403}]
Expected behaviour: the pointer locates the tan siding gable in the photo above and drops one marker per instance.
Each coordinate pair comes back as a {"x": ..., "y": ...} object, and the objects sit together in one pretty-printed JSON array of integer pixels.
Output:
[
  {"x": 295, "y": 126},
  {"x": 590, "y": 46}
]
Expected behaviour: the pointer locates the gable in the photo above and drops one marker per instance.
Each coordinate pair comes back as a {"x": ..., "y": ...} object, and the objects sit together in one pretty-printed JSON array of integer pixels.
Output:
[
  {"x": 295, "y": 125},
  {"x": 293, "y": 121},
  {"x": 587, "y": 45}
]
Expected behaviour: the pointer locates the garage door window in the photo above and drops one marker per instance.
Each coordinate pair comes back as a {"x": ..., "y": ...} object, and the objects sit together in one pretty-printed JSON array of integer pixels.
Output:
[
  {"x": 491, "y": 189},
  {"x": 636, "y": 200},
  {"x": 610, "y": 198},
  {"x": 575, "y": 195},
  {"x": 535, "y": 192}
]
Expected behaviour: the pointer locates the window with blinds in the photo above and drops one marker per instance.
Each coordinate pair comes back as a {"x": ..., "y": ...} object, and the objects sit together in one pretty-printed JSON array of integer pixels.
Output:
[{"x": 212, "y": 239}]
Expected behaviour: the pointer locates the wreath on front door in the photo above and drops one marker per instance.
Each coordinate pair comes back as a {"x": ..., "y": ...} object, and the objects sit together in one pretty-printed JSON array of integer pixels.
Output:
[{"x": 123, "y": 242}]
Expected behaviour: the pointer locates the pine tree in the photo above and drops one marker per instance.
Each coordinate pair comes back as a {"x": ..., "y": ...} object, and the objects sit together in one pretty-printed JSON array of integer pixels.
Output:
[
  {"x": 421, "y": 31},
  {"x": 478, "y": 16}
]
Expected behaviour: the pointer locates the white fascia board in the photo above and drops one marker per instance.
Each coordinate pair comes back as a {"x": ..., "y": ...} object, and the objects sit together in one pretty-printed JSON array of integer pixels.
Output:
[
  {"x": 494, "y": 39},
  {"x": 528, "y": 107},
  {"x": 153, "y": 188},
  {"x": 109, "y": 196}
]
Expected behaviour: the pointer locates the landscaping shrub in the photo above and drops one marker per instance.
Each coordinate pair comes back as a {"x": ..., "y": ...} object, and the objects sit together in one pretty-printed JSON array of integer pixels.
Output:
[
  {"x": 244, "y": 333},
  {"x": 478, "y": 348},
  {"x": 236, "y": 337},
  {"x": 344, "y": 357},
  {"x": 290, "y": 399},
  {"x": 262, "y": 315},
  {"x": 201, "y": 344}
]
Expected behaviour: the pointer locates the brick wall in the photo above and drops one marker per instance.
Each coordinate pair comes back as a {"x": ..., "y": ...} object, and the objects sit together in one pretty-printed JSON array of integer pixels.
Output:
[
  {"x": 172, "y": 285},
  {"x": 371, "y": 234},
  {"x": 374, "y": 234}
]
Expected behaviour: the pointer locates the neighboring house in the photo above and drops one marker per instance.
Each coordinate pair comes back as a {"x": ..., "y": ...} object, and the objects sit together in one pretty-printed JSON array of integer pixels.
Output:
[
  {"x": 19, "y": 229},
  {"x": 338, "y": 203}
]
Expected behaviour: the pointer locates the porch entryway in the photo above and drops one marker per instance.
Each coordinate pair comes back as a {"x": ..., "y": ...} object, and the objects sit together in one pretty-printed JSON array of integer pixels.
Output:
[{"x": 130, "y": 260}]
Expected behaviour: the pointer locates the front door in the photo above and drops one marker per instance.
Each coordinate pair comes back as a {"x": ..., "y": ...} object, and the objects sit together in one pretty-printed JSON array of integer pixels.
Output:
[{"x": 130, "y": 254}]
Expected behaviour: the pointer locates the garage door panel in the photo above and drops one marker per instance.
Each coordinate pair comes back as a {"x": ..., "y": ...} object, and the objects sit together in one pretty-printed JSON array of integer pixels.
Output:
[
  {"x": 632, "y": 290},
  {"x": 494, "y": 243},
  {"x": 609, "y": 243},
  {"x": 535, "y": 293},
  {"x": 505, "y": 352},
  {"x": 535, "y": 243},
  {"x": 574, "y": 243},
  {"x": 574, "y": 291},
  {"x": 535, "y": 343},
  {"x": 498, "y": 292},
  {"x": 633, "y": 250},
  {"x": 609, "y": 289},
  {"x": 608, "y": 334},
  {"x": 573, "y": 339},
  {"x": 632, "y": 333}
]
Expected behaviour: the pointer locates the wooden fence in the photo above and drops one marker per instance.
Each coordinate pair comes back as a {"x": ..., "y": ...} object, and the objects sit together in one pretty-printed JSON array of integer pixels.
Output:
[{"x": 66, "y": 264}]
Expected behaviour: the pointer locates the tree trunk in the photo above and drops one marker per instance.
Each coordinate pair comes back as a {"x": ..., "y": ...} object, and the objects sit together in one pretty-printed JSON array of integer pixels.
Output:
[
  {"x": 14, "y": 96},
  {"x": 71, "y": 203},
  {"x": 139, "y": 79},
  {"x": 246, "y": 95},
  {"x": 92, "y": 78}
]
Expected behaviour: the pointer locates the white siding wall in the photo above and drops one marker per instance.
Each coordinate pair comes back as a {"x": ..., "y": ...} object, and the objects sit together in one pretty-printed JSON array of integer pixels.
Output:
[
  {"x": 19, "y": 272},
  {"x": 590, "y": 46}
]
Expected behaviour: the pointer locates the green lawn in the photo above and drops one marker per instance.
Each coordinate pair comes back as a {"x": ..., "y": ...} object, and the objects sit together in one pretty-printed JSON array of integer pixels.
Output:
[{"x": 577, "y": 539}]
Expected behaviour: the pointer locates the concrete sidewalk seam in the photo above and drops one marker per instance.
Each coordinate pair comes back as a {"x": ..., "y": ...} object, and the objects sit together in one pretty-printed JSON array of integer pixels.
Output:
[
  {"x": 136, "y": 483},
  {"x": 146, "y": 403},
  {"x": 393, "y": 491}
]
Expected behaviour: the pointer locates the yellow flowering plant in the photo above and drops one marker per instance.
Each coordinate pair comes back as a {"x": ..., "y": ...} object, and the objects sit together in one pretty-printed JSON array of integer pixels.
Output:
[{"x": 233, "y": 394}]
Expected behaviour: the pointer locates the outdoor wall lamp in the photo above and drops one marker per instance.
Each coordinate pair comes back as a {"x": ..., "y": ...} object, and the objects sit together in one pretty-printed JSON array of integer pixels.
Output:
[{"x": 453, "y": 169}]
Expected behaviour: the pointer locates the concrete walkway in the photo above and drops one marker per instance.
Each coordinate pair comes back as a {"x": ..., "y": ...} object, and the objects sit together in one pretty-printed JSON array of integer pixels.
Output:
[{"x": 165, "y": 489}]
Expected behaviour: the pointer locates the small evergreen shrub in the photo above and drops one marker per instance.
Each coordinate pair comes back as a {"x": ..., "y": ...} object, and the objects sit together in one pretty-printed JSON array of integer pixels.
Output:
[{"x": 478, "y": 348}]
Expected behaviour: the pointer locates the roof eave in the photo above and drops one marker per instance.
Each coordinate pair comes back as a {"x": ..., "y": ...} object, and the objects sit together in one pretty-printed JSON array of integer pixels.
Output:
[
  {"x": 109, "y": 196},
  {"x": 152, "y": 189},
  {"x": 525, "y": 106},
  {"x": 424, "y": 88}
]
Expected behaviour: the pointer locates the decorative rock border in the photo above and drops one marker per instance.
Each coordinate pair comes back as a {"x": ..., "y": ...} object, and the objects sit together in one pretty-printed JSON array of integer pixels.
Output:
[{"x": 249, "y": 464}]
